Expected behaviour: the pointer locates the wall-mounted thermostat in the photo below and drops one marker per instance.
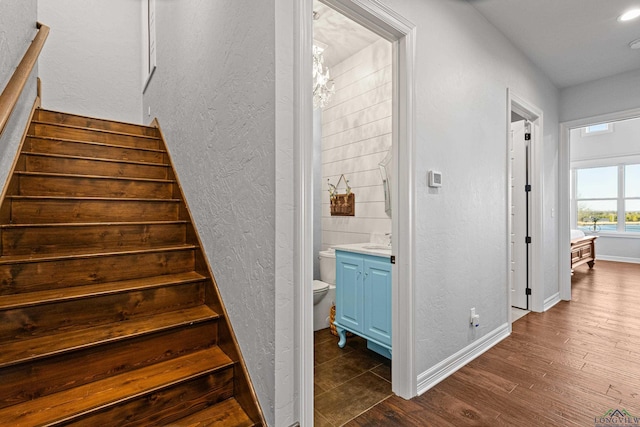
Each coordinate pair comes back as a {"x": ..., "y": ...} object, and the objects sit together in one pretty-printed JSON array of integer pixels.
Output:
[{"x": 435, "y": 179}]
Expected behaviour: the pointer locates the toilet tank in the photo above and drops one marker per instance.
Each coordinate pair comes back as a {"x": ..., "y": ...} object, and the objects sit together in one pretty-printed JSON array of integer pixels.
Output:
[{"x": 328, "y": 266}]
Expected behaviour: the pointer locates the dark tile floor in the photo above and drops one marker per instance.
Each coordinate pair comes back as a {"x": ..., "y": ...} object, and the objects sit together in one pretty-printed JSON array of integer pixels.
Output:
[{"x": 348, "y": 380}]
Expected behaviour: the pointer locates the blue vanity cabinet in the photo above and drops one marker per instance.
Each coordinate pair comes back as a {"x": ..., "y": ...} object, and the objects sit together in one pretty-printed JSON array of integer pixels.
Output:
[
  {"x": 349, "y": 291},
  {"x": 363, "y": 299},
  {"x": 377, "y": 299}
]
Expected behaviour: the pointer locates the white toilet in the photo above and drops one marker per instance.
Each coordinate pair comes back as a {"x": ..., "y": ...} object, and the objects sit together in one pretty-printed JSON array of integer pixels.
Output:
[
  {"x": 324, "y": 291},
  {"x": 327, "y": 275}
]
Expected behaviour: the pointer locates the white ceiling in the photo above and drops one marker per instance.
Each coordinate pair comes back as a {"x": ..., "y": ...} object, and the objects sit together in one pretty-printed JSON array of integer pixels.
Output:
[
  {"x": 572, "y": 41},
  {"x": 341, "y": 36}
]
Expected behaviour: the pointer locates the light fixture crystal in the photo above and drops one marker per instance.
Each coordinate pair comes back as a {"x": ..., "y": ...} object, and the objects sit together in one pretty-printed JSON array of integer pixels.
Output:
[{"x": 323, "y": 86}]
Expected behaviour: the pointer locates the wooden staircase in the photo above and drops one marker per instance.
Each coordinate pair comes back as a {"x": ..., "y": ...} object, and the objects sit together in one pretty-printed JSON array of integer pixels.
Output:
[{"x": 109, "y": 314}]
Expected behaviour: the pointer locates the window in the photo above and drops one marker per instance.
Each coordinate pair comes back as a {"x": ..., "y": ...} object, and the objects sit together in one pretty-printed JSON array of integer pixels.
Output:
[
  {"x": 597, "y": 129},
  {"x": 632, "y": 197},
  {"x": 607, "y": 198}
]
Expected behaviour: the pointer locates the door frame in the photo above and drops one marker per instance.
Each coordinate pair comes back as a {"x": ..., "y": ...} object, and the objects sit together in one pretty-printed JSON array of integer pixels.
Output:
[
  {"x": 390, "y": 25},
  {"x": 533, "y": 114},
  {"x": 564, "y": 182}
]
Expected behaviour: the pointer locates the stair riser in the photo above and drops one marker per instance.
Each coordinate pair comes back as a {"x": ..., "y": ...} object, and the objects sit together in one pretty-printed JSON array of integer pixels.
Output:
[
  {"x": 70, "y": 148},
  {"x": 37, "y": 163},
  {"x": 90, "y": 239},
  {"x": 93, "y": 187},
  {"x": 31, "y": 211},
  {"x": 89, "y": 135},
  {"x": 67, "y": 119},
  {"x": 29, "y": 322},
  {"x": 165, "y": 406},
  {"x": 54, "y": 374},
  {"x": 36, "y": 276}
]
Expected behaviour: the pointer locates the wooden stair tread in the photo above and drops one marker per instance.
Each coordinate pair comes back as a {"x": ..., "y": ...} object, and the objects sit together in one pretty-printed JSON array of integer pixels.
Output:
[
  {"x": 29, "y": 299},
  {"x": 79, "y": 401},
  {"x": 227, "y": 413},
  {"x": 102, "y": 144},
  {"x": 95, "y": 159},
  {"x": 90, "y": 224},
  {"x": 97, "y": 130},
  {"x": 23, "y": 259},
  {"x": 123, "y": 199},
  {"x": 36, "y": 348},
  {"x": 97, "y": 177}
]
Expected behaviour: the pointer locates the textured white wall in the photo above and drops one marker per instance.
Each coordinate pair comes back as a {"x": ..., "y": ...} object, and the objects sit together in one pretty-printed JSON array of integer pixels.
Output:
[
  {"x": 92, "y": 62},
  {"x": 605, "y": 147},
  {"x": 603, "y": 96},
  {"x": 356, "y": 136},
  {"x": 214, "y": 92},
  {"x": 463, "y": 69},
  {"x": 17, "y": 30}
]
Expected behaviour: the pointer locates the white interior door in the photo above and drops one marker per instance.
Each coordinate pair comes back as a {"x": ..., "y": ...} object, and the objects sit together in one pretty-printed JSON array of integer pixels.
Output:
[{"x": 518, "y": 150}]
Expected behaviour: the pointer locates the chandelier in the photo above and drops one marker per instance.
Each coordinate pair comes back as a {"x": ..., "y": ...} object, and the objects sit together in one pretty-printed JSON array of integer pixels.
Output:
[{"x": 323, "y": 86}]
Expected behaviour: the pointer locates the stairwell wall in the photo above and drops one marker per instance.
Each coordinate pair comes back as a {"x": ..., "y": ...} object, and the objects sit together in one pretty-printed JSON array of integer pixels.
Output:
[
  {"x": 91, "y": 64},
  {"x": 213, "y": 93},
  {"x": 17, "y": 30}
]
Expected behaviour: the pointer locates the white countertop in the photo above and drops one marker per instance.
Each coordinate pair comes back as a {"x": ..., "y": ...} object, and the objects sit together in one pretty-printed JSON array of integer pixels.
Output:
[{"x": 375, "y": 249}]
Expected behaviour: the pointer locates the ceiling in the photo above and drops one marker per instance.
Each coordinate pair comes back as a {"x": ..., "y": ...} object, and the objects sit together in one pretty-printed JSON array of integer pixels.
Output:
[
  {"x": 572, "y": 41},
  {"x": 340, "y": 36}
]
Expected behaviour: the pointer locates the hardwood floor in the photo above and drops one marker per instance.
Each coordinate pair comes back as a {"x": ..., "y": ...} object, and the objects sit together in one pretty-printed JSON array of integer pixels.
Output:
[{"x": 565, "y": 367}]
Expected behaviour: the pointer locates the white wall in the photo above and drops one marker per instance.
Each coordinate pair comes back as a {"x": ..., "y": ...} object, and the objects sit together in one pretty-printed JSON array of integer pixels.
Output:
[
  {"x": 217, "y": 89},
  {"x": 92, "y": 64},
  {"x": 463, "y": 69},
  {"x": 356, "y": 136},
  {"x": 603, "y": 96},
  {"x": 17, "y": 30},
  {"x": 605, "y": 148}
]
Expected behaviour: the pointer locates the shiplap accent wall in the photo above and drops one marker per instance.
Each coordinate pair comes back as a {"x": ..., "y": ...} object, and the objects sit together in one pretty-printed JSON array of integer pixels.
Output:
[{"x": 356, "y": 136}]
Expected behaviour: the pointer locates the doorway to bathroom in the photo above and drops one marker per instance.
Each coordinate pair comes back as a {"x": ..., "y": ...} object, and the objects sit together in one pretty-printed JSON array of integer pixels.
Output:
[
  {"x": 399, "y": 35},
  {"x": 352, "y": 146}
]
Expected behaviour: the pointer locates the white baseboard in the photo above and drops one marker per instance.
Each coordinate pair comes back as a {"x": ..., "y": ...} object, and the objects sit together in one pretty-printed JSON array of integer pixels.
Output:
[
  {"x": 442, "y": 370},
  {"x": 551, "y": 301},
  {"x": 617, "y": 259}
]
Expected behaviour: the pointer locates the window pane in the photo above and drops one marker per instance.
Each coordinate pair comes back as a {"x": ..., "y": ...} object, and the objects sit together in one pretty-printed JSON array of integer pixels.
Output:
[
  {"x": 597, "y": 128},
  {"x": 632, "y": 181},
  {"x": 603, "y": 212},
  {"x": 632, "y": 208},
  {"x": 597, "y": 183}
]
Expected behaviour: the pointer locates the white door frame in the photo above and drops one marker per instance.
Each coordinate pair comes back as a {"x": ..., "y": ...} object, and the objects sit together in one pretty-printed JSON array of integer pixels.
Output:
[
  {"x": 388, "y": 24},
  {"x": 534, "y": 115},
  {"x": 564, "y": 210}
]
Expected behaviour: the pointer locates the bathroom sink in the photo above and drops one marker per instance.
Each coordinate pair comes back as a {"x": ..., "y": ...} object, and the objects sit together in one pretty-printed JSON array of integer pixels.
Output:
[{"x": 375, "y": 246}]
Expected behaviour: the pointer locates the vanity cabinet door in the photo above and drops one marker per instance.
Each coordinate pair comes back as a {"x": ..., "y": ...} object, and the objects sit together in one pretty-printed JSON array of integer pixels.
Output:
[
  {"x": 377, "y": 300},
  {"x": 349, "y": 291}
]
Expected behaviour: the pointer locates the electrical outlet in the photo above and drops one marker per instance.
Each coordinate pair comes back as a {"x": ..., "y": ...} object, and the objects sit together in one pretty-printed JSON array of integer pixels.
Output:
[{"x": 474, "y": 318}]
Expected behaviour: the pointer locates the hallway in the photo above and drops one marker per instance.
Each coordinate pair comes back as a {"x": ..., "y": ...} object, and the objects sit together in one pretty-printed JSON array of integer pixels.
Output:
[{"x": 565, "y": 367}]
